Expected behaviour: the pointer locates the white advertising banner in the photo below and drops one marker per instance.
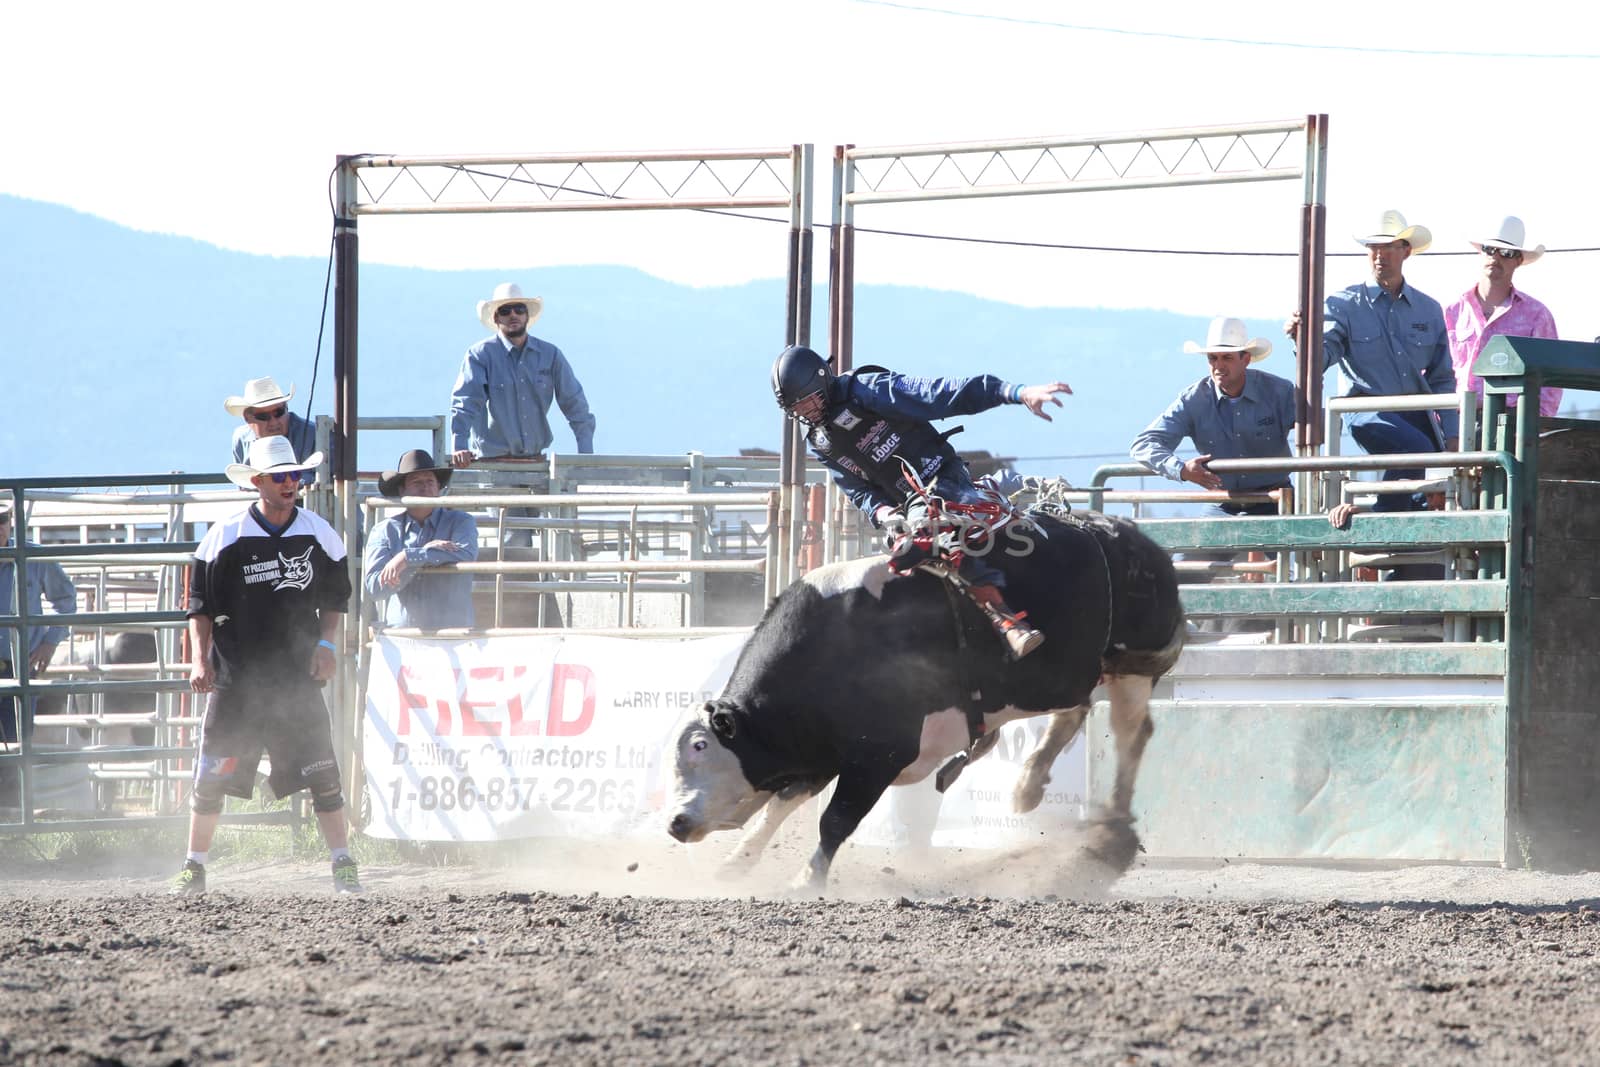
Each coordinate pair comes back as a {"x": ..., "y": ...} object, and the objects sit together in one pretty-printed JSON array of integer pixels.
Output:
[{"x": 510, "y": 737}]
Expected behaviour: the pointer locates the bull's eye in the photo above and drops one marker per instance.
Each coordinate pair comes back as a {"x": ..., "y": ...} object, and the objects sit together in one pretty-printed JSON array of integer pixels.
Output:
[{"x": 698, "y": 744}]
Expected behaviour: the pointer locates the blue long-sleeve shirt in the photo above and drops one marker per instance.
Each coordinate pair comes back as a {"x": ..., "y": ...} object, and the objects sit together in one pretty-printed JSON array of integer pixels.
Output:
[
  {"x": 427, "y": 601},
  {"x": 1253, "y": 425},
  {"x": 905, "y": 396},
  {"x": 46, "y": 581},
  {"x": 500, "y": 405},
  {"x": 1389, "y": 345},
  {"x": 302, "y": 434}
]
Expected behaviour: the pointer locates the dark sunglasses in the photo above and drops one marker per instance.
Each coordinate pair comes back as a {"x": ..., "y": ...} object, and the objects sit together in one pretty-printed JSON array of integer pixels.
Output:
[
  {"x": 267, "y": 416},
  {"x": 288, "y": 476},
  {"x": 511, "y": 309},
  {"x": 1503, "y": 253}
]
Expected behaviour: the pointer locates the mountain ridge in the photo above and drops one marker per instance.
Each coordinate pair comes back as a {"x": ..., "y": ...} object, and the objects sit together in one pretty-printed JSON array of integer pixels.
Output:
[{"x": 126, "y": 374}]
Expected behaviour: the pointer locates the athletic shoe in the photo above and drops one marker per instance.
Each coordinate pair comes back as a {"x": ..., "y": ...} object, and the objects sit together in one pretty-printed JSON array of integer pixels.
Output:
[
  {"x": 345, "y": 877},
  {"x": 190, "y": 882}
]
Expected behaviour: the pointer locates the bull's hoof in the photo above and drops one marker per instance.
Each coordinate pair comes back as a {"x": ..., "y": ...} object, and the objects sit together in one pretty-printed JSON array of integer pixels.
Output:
[
  {"x": 735, "y": 867},
  {"x": 1110, "y": 843},
  {"x": 1029, "y": 793},
  {"x": 804, "y": 887}
]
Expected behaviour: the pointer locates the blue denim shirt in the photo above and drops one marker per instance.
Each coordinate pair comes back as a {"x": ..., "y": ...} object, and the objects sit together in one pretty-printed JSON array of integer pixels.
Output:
[
  {"x": 1387, "y": 345},
  {"x": 427, "y": 601},
  {"x": 1255, "y": 425},
  {"x": 500, "y": 405},
  {"x": 46, "y": 580},
  {"x": 302, "y": 434}
]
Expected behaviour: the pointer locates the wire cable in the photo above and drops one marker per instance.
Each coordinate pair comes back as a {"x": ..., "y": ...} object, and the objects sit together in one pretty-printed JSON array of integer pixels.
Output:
[
  {"x": 962, "y": 239},
  {"x": 327, "y": 283}
]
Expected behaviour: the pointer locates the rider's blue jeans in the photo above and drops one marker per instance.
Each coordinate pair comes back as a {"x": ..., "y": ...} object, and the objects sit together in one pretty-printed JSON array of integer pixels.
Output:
[{"x": 1380, "y": 433}]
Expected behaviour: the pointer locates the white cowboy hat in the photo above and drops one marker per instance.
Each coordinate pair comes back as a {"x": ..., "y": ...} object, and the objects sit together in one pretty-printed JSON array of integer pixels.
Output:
[
  {"x": 1511, "y": 235},
  {"x": 269, "y": 455},
  {"x": 1230, "y": 335},
  {"x": 258, "y": 393},
  {"x": 1392, "y": 227},
  {"x": 508, "y": 293}
]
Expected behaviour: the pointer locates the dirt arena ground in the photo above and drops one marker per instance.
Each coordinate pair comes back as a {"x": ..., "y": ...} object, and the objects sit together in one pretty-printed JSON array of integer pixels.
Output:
[{"x": 635, "y": 954}]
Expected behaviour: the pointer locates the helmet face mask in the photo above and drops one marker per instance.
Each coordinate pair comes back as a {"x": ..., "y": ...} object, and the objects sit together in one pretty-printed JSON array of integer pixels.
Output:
[
  {"x": 799, "y": 381},
  {"x": 811, "y": 407}
]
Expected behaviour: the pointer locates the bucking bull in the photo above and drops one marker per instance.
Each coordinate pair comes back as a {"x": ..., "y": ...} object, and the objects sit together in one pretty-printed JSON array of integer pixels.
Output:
[{"x": 873, "y": 679}]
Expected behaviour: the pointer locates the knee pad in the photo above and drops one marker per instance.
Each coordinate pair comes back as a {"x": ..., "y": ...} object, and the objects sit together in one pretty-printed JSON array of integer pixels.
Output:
[
  {"x": 326, "y": 793},
  {"x": 208, "y": 794}
]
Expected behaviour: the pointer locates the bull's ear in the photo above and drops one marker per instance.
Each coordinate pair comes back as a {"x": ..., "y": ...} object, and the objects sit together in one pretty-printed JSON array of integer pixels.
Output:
[{"x": 722, "y": 722}]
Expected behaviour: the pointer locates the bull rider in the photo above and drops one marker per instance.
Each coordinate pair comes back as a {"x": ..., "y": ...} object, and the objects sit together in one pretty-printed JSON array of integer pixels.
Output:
[{"x": 871, "y": 427}]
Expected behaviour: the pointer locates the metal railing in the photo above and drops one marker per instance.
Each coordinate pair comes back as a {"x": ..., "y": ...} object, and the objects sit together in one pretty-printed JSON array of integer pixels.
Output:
[{"x": 145, "y": 578}]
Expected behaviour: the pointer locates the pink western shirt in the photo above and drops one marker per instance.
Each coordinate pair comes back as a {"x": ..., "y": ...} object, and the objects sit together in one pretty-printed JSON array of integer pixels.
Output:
[{"x": 1469, "y": 332}]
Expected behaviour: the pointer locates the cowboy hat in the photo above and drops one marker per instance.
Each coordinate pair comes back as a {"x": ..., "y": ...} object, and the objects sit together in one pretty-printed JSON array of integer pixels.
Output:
[
  {"x": 1392, "y": 227},
  {"x": 258, "y": 393},
  {"x": 1511, "y": 235},
  {"x": 1230, "y": 335},
  {"x": 393, "y": 483},
  {"x": 508, "y": 293},
  {"x": 269, "y": 455}
]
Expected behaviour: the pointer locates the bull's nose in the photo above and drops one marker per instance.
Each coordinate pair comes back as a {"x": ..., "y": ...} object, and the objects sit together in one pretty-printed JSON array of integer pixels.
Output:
[{"x": 679, "y": 827}]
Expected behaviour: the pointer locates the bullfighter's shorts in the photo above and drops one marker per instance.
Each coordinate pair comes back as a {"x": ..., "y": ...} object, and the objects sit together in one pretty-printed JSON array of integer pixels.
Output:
[{"x": 286, "y": 720}]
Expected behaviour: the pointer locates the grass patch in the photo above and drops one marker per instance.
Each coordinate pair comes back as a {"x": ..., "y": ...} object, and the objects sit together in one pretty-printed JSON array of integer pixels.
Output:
[{"x": 136, "y": 849}]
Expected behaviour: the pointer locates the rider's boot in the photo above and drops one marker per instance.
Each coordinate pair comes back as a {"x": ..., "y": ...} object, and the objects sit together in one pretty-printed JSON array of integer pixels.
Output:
[{"x": 1019, "y": 637}]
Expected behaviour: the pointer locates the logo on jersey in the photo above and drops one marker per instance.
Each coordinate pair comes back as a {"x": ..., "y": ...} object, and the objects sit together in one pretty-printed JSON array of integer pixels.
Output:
[
  {"x": 846, "y": 419},
  {"x": 885, "y": 448},
  {"x": 296, "y": 571}
]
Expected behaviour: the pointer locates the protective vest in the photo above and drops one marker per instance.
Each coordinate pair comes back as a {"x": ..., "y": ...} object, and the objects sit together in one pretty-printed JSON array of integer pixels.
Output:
[{"x": 870, "y": 446}]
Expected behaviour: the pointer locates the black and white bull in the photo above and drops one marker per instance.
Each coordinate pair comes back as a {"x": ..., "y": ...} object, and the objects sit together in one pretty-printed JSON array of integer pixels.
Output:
[{"x": 857, "y": 675}]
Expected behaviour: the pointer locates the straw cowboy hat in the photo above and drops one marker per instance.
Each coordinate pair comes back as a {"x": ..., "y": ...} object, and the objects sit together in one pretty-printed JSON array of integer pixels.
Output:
[
  {"x": 1512, "y": 236},
  {"x": 393, "y": 483},
  {"x": 1392, "y": 227},
  {"x": 269, "y": 455},
  {"x": 258, "y": 393},
  {"x": 508, "y": 293},
  {"x": 1230, "y": 335}
]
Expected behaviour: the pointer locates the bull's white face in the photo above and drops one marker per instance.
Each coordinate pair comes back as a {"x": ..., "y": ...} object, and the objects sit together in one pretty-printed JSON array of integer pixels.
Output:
[{"x": 711, "y": 792}]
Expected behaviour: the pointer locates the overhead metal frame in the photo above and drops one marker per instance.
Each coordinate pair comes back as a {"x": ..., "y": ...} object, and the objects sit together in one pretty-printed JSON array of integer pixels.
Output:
[
  {"x": 686, "y": 180},
  {"x": 692, "y": 180}
]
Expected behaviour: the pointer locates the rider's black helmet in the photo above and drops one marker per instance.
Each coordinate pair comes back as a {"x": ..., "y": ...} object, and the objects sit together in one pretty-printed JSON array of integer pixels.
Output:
[{"x": 797, "y": 373}]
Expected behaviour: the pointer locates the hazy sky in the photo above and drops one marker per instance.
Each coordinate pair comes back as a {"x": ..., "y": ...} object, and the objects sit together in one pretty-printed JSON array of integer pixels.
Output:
[{"x": 221, "y": 121}]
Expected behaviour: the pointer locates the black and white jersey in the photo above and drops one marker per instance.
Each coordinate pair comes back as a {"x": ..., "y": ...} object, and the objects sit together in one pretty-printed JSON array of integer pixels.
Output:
[{"x": 262, "y": 591}]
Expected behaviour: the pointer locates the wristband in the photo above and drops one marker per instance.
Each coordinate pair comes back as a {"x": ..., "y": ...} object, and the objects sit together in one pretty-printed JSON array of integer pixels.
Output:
[
  {"x": 329, "y": 645},
  {"x": 1016, "y": 394}
]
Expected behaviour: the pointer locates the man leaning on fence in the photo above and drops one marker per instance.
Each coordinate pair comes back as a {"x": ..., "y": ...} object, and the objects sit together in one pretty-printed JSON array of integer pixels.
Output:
[
  {"x": 45, "y": 581},
  {"x": 1234, "y": 412},
  {"x": 500, "y": 405},
  {"x": 420, "y": 536}
]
